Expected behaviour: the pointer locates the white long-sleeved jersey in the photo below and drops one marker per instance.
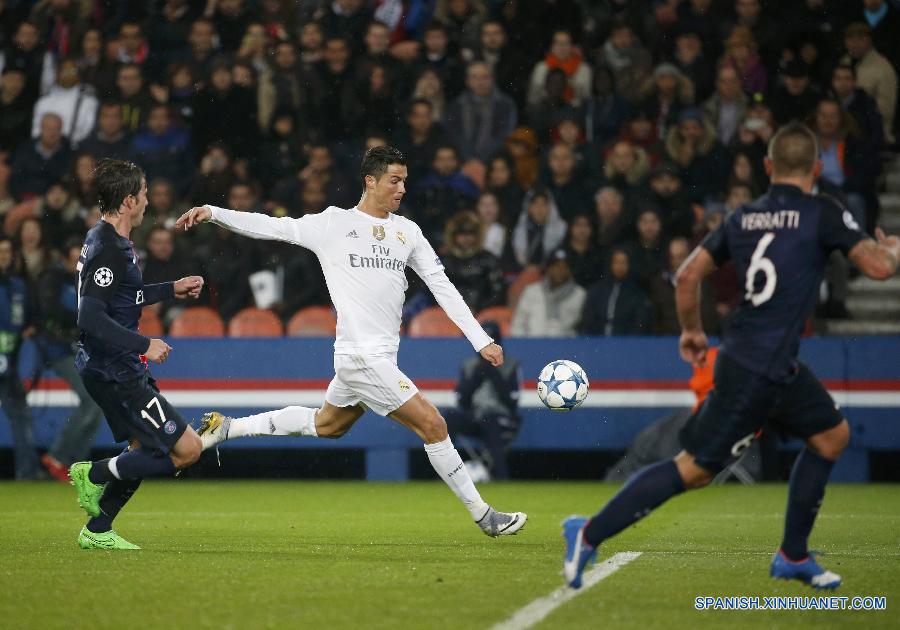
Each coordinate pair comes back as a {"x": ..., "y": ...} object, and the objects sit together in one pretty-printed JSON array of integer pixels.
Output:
[{"x": 364, "y": 259}]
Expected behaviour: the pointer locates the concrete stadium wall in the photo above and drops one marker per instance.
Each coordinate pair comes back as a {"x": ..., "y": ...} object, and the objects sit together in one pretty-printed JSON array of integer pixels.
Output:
[{"x": 634, "y": 381}]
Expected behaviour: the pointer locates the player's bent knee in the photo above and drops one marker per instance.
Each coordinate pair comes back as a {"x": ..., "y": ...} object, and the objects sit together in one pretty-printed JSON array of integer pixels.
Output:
[
  {"x": 435, "y": 428},
  {"x": 831, "y": 443},
  {"x": 692, "y": 474},
  {"x": 189, "y": 449}
]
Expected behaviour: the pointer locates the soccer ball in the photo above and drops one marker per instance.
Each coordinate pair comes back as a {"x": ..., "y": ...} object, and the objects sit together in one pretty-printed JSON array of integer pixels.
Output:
[{"x": 562, "y": 385}]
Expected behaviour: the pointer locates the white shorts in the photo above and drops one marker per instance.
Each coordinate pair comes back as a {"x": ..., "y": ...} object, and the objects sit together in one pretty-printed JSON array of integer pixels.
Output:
[{"x": 373, "y": 380}]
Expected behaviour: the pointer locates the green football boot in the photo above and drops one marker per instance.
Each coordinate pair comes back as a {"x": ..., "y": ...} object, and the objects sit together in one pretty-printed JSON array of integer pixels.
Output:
[
  {"x": 104, "y": 540},
  {"x": 88, "y": 492}
]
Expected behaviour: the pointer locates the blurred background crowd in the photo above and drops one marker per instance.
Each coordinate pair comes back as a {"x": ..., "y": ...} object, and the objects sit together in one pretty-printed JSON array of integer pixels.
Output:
[{"x": 564, "y": 155}]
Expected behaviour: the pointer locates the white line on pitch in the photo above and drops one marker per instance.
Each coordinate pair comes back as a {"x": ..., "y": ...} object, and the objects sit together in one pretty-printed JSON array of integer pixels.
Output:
[{"x": 537, "y": 610}]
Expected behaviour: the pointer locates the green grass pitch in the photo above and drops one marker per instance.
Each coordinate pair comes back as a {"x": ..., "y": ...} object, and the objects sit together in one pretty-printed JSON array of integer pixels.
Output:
[{"x": 357, "y": 555}]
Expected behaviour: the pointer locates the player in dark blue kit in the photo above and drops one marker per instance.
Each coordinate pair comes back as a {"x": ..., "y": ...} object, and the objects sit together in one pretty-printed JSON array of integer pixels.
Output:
[
  {"x": 112, "y": 357},
  {"x": 779, "y": 244}
]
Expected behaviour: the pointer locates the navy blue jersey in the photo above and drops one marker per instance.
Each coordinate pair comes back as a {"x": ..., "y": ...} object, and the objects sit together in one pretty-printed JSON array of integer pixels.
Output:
[
  {"x": 780, "y": 244},
  {"x": 108, "y": 271}
]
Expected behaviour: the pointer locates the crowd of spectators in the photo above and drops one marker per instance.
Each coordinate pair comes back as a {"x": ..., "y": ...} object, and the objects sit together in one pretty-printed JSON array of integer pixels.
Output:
[{"x": 591, "y": 143}]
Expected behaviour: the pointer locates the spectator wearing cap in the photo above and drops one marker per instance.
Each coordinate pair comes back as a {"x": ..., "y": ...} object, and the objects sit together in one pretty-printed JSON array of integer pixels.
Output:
[
  {"x": 667, "y": 196},
  {"x": 471, "y": 269},
  {"x": 565, "y": 56},
  {"x": 585, "y": 258},
  {"x": 553, "y": 306},
  {"x": 796, "y": 97},
  {"x": 15, "y": 109},
  {"x": 616, "y": 305},
  {"x": 564, "y": 182},
  {"x": 539, "y": 229},
  {"x": 741, "y": 52},
  {"x": 703, "y": 161},
  {"x": 874, "y": 73},
  {"x": 726, "y": 108},
  {"x": 665, "y": 94},
  {"x": 883, "y": 19},
  {"x": 690, "y": 57},
  {"x": 628, "y": 61}
]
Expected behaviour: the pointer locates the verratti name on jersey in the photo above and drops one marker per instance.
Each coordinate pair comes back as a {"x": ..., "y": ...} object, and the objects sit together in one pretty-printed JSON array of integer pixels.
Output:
[{"x": 778, "y": 220}]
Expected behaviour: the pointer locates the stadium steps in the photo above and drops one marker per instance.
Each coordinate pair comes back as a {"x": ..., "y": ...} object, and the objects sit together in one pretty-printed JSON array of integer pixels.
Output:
[{"x": 874, "y": 305}]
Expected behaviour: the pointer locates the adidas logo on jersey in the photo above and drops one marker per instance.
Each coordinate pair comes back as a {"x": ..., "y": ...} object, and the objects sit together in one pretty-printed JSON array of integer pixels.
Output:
[{"x": 352, "y": 234}]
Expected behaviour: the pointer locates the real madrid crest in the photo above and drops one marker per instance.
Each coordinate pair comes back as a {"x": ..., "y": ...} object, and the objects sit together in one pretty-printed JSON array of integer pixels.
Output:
[
  {"x": 401, "y": 238},
  {"x": 378, "y": 232}
]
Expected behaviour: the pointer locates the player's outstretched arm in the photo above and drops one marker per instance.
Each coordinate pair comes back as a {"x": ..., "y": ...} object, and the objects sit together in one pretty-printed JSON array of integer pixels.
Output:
[
  {"x": 693, "y": 343},
  {"x": 878, "y": 258},
  {"x": 251, "y": 224}
]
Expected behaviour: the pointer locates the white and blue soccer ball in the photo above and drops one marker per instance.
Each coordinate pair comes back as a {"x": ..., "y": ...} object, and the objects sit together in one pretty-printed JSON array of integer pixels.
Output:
[{"x": 562, "y": 385}]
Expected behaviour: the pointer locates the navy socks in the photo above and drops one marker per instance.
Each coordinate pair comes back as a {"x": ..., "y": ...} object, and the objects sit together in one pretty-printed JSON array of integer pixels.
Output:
[
  {"x": 646, "y": 490},
  {"x": 115, "y": 495},
  {"x": 137, "y": 464},
  {"x": 806, "y": 490}
]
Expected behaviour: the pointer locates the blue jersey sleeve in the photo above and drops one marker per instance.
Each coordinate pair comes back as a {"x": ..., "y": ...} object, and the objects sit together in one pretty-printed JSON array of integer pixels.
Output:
[
  {"x": 837, "y": 227},
  {"x": 716, "y": 243},
  {"x": 102, "y": 274}
]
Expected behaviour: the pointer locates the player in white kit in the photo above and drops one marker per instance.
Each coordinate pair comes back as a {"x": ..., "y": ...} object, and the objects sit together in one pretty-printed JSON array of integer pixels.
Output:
[{"x": 364, "y": 252}]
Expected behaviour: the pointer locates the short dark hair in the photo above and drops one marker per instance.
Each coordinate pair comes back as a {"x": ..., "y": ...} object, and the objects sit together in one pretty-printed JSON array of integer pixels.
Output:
[
  {"x": 793, "y": 150},
  {"x": 115, "y": 180},
  {"x": 377, "y": 159}
]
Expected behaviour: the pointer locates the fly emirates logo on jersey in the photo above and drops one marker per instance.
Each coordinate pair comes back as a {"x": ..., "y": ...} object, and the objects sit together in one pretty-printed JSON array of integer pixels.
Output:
[{"x": 380, "y": 259}]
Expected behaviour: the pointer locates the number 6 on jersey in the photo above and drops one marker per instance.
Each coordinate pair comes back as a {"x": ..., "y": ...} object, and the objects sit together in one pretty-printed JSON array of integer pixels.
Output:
[{"x": 759, "y": 263}]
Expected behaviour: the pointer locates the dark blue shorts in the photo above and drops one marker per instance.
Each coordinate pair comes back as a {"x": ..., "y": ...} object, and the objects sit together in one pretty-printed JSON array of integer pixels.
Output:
[
  {"x": 742, "y": 402},
  {"x": 135, "y": 410}
]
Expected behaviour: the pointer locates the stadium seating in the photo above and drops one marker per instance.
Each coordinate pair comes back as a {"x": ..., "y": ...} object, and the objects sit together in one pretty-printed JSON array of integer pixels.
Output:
[
  {"x": 433, "y": 322},
  {"x": 197, "y": 321},
  {"x": 313, "y": 321},
  {"x": 501, "y": 314},
  {"x": 150, "y": 325},
  {"x": 255, "y": 322}
]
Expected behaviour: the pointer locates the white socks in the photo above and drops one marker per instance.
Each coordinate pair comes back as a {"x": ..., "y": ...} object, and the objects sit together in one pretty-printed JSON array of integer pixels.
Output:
[
  {"x": 296, "y": 421},
  {"x": 449, "y": 466}
]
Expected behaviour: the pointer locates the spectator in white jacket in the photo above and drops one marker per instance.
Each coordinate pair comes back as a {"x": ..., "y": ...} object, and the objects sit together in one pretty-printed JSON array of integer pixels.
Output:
[
  {"x": 563, "y": 55},
  {"x": 551, "y": 307},
  {"x": 71, "y": 100},
  {"x": 539, "y": 229}
]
